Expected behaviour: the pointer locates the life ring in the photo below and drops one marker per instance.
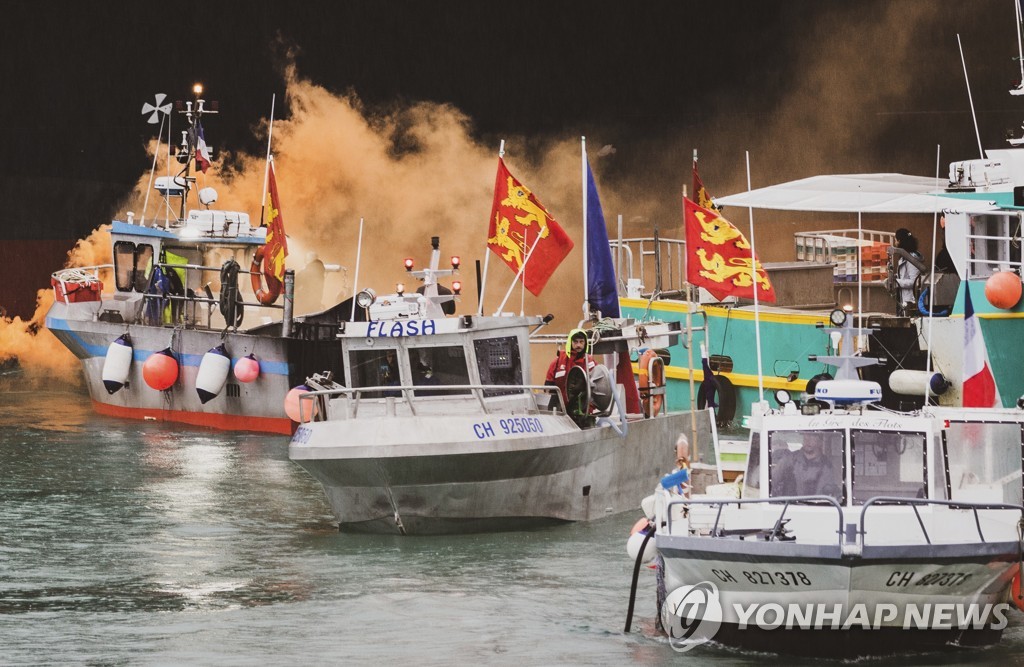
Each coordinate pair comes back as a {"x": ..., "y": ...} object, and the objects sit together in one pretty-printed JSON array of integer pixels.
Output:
[
  {"x": 269, "y": 294},
  {"x": 725, "y": 396},
  {"x": 652, "y": 377},
  {"x": 1015, "y": 595}
]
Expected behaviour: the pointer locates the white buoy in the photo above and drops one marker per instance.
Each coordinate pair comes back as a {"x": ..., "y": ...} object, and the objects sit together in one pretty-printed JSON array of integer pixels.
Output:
[
  {"x": 913, "y": 383},
  {"x": 213, "y": 373},
  {"x": 633, "y": 547},
  {"x": 117, "y": 364}
]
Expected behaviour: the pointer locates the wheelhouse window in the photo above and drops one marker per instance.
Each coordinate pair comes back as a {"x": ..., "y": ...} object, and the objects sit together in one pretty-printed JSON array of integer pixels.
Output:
[
  {"x": 438, "y": 366},
  {"x": 499, "y": 363},
  {"x": 806, "y": 463},
  {"x": 752, "y": 478},
  {"x": 376, "y": 367},
  {"x": 994, "y": 242},
  {"x": 984, "y": 462},
  {"x": 133, "y": 264},
  {"x": 888, "y": 463}
]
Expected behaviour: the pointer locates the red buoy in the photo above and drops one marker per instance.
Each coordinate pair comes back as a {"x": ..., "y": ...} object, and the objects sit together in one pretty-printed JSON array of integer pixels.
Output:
[
  {"x": 247, "y": 368},
  {"x": 161, "y": 370},
  {"x": 1003, "y": 289}
]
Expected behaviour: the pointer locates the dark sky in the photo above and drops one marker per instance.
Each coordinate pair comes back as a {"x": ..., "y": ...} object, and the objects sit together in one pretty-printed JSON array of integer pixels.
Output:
[{"x": 806, "y": 86}]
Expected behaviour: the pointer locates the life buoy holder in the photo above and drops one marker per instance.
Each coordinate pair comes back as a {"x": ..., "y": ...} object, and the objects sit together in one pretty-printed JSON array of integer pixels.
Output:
[
  {"x": 652, "y": 382},
  {"x": 725, "y": 397},
  {"x": 265, "y": 295}
]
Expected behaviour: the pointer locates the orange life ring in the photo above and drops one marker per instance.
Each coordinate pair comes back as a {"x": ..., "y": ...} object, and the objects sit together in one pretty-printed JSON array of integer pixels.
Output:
[
  {"x": 652, "y": 376},
  {"x": 269, "y": 294},
  {"x": 1015, "y": 595}
]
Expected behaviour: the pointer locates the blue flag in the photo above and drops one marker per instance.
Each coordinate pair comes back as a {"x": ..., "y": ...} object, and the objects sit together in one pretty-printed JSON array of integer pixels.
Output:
[{"x": 601, "y": 289}]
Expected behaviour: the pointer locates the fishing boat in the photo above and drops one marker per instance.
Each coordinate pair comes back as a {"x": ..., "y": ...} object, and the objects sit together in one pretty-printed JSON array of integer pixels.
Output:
[
  {"x": 434, "y": 427},
  {"x": 855, "y": 530},
  {"x": 158, "y": 339}
]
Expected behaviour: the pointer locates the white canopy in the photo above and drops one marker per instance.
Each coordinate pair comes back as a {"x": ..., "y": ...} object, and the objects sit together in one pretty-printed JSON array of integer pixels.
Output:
[{"x": 865, "y": 193}]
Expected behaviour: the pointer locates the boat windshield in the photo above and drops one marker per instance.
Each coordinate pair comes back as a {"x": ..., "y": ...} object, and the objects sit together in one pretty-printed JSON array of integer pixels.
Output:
[
  {"x": 888, "y": 463},
  {"x": 806, "y": 463},
  {"x": 984, "y": 462},
  {"x": 438, "y": 365}
]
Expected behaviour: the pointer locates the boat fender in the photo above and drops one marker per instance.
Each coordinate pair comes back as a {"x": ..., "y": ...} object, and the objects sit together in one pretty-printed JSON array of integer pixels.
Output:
[
  {"x": 638, "y": 546},
  {"x": 247, "y": 368},
  {"x": 725, "y": 395},
  {"x": 652, "y": 376},
  {"x": 213, "y": 373},
  {"x": 640, "y": 524},
  {"x": 265, "y": 295},
  {"x": 117, "y": 364},
  {"x": 1003, "y": 289},
  {"x": 230, "y": 296},
  {"x": 647, "y": 505},
  {"x": 292, "y": 405},
  {"x": 160, "y": 371},
  {"x": 1015, "y": 593},
  {"x": 640, "y": 539}
]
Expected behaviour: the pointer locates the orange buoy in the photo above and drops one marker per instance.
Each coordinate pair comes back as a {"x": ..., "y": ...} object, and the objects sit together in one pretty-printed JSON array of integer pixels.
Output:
[
  {"x": 247, "y": 368},
  {"x": 1003, "y": 289},
  {"x": 161, "y": 370},
  {"x": 292, "y": 405},
  {"x": 638, "y": 526},
  {"x": 1015, "y": 596}
]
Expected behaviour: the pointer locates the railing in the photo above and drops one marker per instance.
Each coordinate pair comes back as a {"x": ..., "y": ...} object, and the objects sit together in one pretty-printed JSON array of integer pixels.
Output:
[
  {"x": 951, "y": 504},
  {"x": 191, "y": 302},
  {"x": 787, "y": 501},
  {"x": 668, "y": 256},
  {"x": 316, "y": 405}
]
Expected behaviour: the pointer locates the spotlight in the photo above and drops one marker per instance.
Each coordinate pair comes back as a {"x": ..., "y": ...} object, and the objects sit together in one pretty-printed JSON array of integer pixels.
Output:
[{"x": 365, "y": 298}]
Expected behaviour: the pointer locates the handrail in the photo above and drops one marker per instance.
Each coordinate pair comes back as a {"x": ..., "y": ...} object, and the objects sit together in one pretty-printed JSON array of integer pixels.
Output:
[
  {"x": 323, "y": 396},
  {"x": 786, "y": 500},
  {"x": 951, "y": 504}
]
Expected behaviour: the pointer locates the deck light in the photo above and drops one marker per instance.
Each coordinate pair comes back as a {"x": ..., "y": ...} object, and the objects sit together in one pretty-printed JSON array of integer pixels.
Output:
[
  {"x": 400, "y": 289},
  {"x": 457, "y": 286},
  {"x": 408, "y": 263},
  {"x": 197, "y": 89},
  {"x": 456, "y": 262},
  {"x": 365, "y": 298}
]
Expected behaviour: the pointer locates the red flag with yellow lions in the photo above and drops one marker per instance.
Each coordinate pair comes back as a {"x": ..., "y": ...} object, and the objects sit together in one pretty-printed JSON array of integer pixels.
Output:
[
  {"x": 523, "y": 232},
  {"x": 719, "y": 258},
  {"x": 277, "y": 242}
]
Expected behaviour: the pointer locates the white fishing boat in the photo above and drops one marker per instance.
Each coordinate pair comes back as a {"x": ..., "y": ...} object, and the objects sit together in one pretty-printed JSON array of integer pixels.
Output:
[
  {"x": 854, "y": 530},
  {"x": 435, "y": 427},
  {"x": 166, "y": 331}
]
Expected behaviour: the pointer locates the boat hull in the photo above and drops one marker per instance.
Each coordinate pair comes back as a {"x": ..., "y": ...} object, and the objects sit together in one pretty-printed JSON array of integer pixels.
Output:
[
  {"x": 428, "y": 482},
  {"x": 837, "y": 602},
  {"x": 254, "y": 406}
]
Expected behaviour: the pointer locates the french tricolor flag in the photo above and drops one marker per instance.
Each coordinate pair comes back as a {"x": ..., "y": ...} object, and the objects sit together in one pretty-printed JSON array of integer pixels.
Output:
[
  {"x": 202, "y": 150},
  {"x": 979, "y": 385}
]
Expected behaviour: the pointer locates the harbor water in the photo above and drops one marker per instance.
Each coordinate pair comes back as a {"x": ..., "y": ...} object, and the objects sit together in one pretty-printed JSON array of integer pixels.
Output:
[{"x": 127, "y": 542}]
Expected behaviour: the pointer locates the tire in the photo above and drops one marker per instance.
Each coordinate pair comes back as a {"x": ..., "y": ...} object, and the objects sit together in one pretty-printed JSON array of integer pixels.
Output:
[{"x": 725, "y": 397}]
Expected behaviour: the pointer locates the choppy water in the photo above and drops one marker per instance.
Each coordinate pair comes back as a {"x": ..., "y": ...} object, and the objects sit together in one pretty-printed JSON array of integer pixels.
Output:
[{"x": 126, "y": 542}]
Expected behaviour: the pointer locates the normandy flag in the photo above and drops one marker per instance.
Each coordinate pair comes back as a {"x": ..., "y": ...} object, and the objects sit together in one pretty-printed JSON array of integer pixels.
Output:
[
  {"x": 277, "y": 243},
  {"x": 700, "y": 193},
  {"x": 522, "y": 232},
  {"x": 718, "y": 257}
]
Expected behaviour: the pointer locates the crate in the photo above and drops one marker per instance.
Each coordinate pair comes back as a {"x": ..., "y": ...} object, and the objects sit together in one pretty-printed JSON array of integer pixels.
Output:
[
  {"x": 76, "y": 290},
  {"x": 854, "y": 253}
]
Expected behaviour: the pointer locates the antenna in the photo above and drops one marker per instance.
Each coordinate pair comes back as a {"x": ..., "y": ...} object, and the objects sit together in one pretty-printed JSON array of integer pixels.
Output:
[
  {"x": 970, "y": 99},
  {"x": 1019, "y": 90},
  {"x": 156, "y": 109}
]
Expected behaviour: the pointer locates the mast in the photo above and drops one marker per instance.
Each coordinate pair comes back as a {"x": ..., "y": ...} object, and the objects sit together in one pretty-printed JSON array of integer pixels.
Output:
[{"x": 193, "y": 111}]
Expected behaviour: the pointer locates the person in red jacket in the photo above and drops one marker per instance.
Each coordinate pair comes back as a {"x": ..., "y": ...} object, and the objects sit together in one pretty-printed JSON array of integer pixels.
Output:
[{"x": 575, "y": 354}]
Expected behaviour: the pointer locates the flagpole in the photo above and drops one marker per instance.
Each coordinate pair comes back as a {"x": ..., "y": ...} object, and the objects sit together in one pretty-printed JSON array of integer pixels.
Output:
[
  {"x": 689, "y": 347},
  {"x": 931, "y": 286},
  {"x": 520, "y": 273},
  {"x": 753, "y": 275},
  {"x": 583, "y": 180},
  {"x": 266, "y": 168},
  {"x": 355, "y": 282},
  {"x": 487, "y": 254}
]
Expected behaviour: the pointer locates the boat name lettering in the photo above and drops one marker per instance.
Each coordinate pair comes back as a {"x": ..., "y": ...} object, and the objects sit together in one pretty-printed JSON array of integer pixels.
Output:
[
  {"x": 395, "y": 328},
  {"x": 766, "y": 578},
  {"x": 301, "y": 436},
  {"x": 828, "y": 421},
  {"x": 521, "y": 425}
]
